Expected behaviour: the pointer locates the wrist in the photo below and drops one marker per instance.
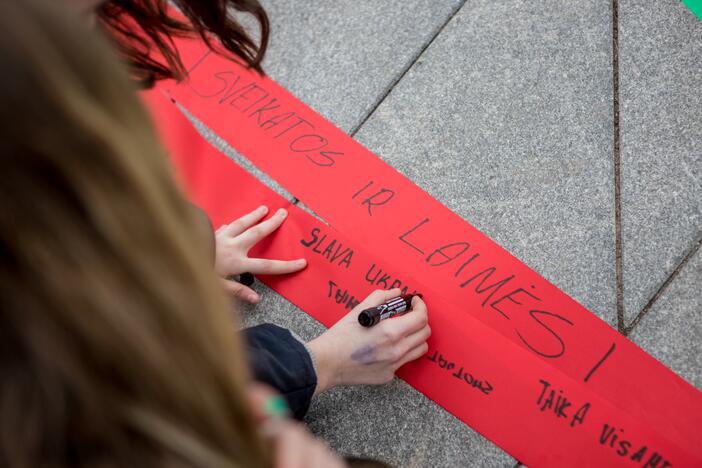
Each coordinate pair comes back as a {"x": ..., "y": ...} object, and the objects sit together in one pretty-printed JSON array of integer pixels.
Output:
[{"x": 323, "y": 364}]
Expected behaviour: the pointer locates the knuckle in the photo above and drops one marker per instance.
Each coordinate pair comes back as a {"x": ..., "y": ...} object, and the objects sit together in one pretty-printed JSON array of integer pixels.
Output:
[
  {"x": 395, "y": 354},
  {"x": 391, "y": 334},
  {"x": 237, "y": 225},
  {"x": 256, "y": 231}
]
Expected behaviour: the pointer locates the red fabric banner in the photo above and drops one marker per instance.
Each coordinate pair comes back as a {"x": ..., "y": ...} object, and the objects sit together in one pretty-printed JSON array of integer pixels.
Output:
[{"x": 511, "y": 355}]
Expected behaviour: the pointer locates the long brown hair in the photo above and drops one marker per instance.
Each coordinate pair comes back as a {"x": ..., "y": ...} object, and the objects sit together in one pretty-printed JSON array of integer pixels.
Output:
[
  {"x": 143, "y": 30},
  {"x": 116, "y": 348}
]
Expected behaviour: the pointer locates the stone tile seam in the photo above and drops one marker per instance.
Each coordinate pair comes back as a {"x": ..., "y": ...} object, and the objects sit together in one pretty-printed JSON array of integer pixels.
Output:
[
  {"x": 692, "y": 251},
  {"x": 616, "y": 156},
  {"x": 413, "y": 61}
]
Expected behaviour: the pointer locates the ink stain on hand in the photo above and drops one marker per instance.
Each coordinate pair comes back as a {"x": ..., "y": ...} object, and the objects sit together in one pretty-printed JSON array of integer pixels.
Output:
[{"x": 365, "y": 355}]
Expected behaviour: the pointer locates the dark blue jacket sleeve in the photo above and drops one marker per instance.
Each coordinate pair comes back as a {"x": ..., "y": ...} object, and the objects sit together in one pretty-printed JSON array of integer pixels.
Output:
[{"x": 278, "y": 359}]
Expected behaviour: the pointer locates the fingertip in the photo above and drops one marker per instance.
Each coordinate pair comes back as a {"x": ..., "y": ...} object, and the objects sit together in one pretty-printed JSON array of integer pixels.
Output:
[
  {"x": 282, "y": 212},
  {"x": 418, "y": 303},
  {"x": 252, "y": 298},
  {"x": 292, "y": 266}
]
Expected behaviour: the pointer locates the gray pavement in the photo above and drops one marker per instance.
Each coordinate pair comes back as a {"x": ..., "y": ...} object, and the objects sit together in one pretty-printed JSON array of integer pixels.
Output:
[
  {"x": 504, "y": 111},
  {"x": 340, "y": 57},
  {"x": 661, "y": 134}
]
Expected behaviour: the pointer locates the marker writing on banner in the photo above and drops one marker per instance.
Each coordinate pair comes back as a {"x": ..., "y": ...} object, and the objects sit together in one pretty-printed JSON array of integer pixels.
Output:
[
  {"x": 378, "y": 198},
  {"x": 343, "y": 298},
  {"x": 329, "y": 249},
  {"x": 337, "y": 253},
  {"x": 379, "y": 278},
  {"x": 483, "y": 280},
  {"x": 255, "y": 101},
  {"x": 483, "y": 283},
  {"x": 495, "y": 290},
  {"x": 509, "y": 302},
  {"x": 556, "y": 401},
  {"x": 614, "y": 438},
  {"x": 483, "y": 385}
]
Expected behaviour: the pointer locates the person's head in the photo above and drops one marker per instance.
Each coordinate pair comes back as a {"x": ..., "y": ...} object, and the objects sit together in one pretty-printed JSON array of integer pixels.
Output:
[
  {"x": 143, "y": 30},
  {"x": 116, "y": 346}
]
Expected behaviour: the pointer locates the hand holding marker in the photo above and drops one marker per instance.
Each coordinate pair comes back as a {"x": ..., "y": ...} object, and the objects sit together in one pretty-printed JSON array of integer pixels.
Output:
[
  {"x": 350, "y": 354},
  {"x": 395, "y": 306}
]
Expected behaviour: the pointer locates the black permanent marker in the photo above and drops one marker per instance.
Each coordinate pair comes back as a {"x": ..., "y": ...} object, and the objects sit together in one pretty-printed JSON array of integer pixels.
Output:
[{"x": 395, "y": 306}]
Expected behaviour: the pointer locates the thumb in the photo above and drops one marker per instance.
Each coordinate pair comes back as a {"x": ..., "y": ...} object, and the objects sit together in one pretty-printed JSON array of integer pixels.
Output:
[{"x": 241, "y": 292}]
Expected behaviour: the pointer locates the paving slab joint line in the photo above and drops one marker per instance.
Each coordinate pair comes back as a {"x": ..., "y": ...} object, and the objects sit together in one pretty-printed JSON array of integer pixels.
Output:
[
  {"x": 407, "y": 68},
  {"x": 616, "y": 152},
  {"x": 662, "y": 288}
]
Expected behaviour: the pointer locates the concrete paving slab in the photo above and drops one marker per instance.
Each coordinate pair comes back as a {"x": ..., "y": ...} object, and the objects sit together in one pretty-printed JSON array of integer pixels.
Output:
[
  {"x": 507, "y": 120},
  {"x": 671, "y": 330},
  {"x": 340, "y": 57},
  {"x": 393, "y": 423},
  {"x": 661, "y": 142}
]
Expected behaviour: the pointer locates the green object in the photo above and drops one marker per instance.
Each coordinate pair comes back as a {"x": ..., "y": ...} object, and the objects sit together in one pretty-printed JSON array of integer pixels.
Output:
[
  {"x": 276, "y": 406},
  {"x": 695, "y": 6}
]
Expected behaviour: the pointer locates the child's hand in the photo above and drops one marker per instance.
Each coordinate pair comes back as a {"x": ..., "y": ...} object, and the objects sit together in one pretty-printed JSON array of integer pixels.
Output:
[
  {"x": 348, "y": 353},
  {"x": 233, "y": 242}
]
